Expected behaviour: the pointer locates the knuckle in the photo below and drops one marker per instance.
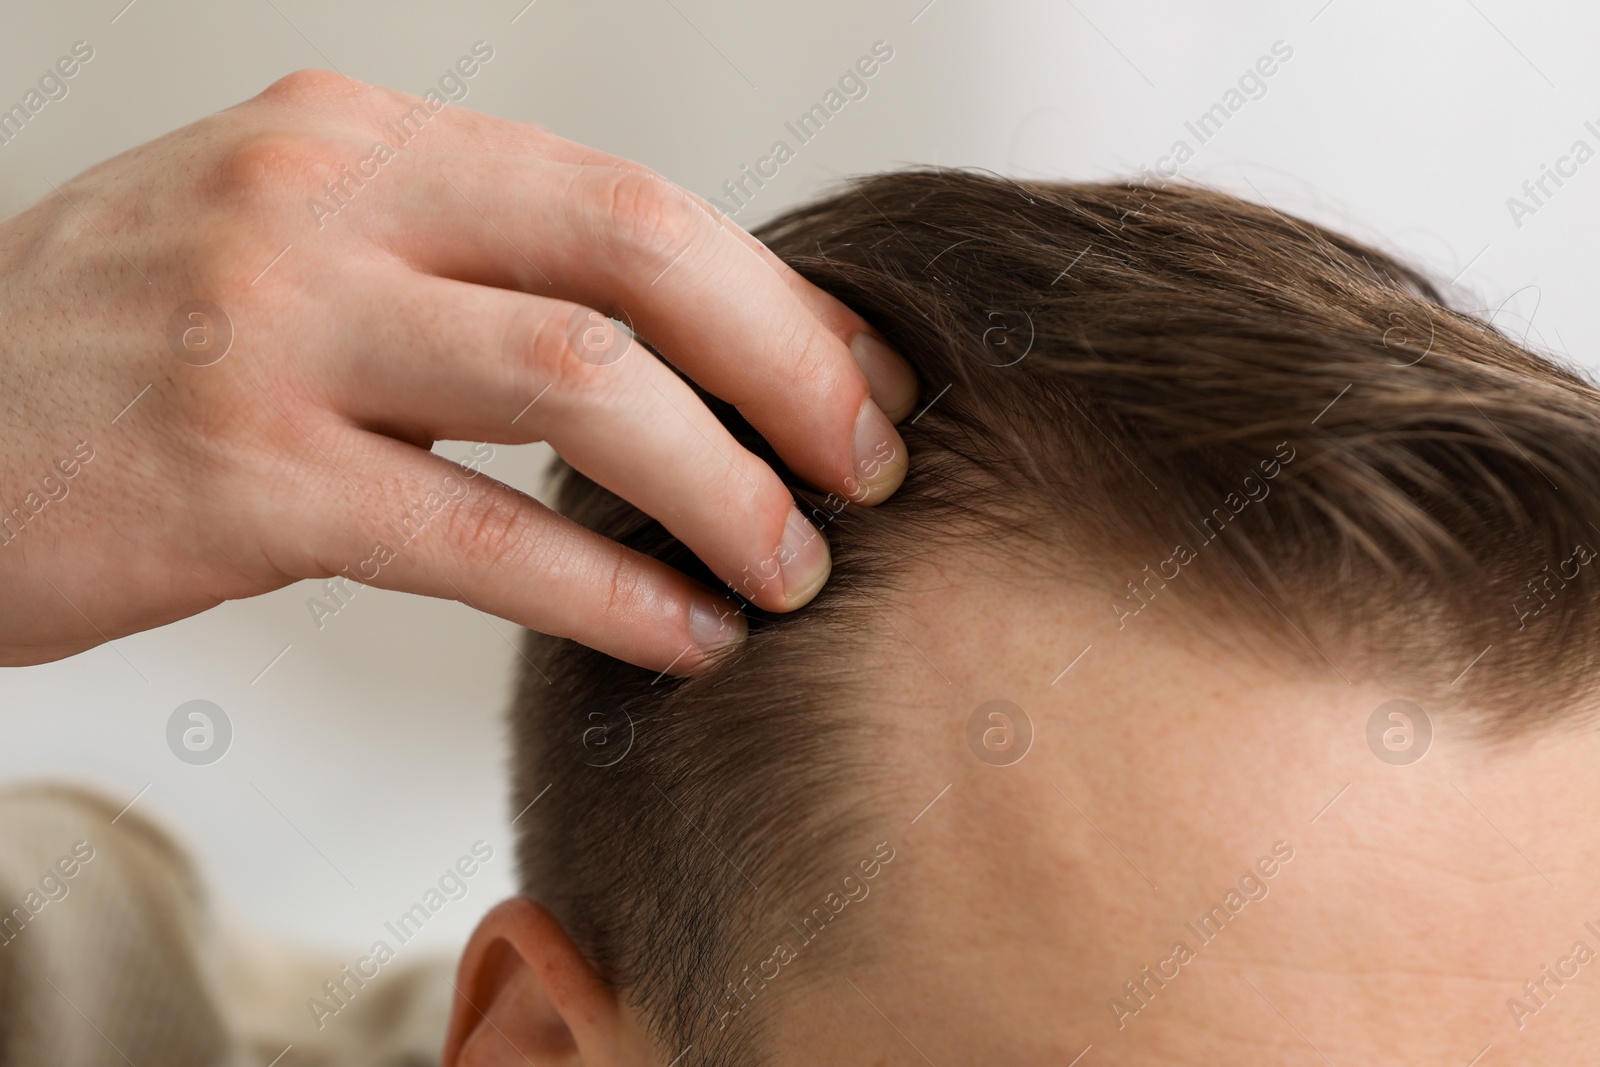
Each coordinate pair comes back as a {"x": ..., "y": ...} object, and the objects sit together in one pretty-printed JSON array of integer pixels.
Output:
[
  {"x": 835, "y": 318},
  {"x": 272, "y": 164},
  {"x": 753, "y": 491},
  {"x": 624, "y": 587},
  {"x": 651, "y": 215},
  {"x": 755, "y": 505},
  {"x": 309, "y": 87},
  {"x": 540, "y": 352},
  {"x": 815, "y": 357},
  {"x": 494, "y": 531}
]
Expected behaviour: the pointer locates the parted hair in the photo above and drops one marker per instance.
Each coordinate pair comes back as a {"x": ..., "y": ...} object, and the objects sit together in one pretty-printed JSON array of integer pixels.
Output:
[{"x": 1195, "y": 400}]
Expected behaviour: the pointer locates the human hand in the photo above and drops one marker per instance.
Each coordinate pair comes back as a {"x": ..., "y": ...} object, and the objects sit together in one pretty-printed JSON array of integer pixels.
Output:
[{"x": 215, "y": 387}]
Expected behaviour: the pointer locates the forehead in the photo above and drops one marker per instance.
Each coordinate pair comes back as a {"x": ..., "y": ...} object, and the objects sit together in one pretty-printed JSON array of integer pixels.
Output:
[
  {"x": 1183, "y": 822},
  {"x": 1042, "y": 778}
]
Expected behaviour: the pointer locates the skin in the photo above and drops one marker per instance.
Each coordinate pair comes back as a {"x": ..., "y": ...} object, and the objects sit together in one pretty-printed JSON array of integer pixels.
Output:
[
  {"x": 450, "y": 291},
  {"x": 1165, "y": 765}
]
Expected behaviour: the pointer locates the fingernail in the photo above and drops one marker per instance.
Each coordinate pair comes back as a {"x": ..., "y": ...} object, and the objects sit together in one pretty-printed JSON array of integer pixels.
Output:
[
  {"x": 894, "y": 386},
  {"x": 803, "y": 559},
  {"x": 880, "y": 457},
  {"x": 714, "y": 624}
]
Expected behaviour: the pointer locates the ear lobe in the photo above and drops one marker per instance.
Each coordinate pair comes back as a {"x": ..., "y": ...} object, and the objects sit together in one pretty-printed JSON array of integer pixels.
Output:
[{"x": 525, "y": 994}]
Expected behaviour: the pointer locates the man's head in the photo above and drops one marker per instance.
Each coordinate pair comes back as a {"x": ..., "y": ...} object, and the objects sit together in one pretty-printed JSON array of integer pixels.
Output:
[{"x": 1196, "y": 491}]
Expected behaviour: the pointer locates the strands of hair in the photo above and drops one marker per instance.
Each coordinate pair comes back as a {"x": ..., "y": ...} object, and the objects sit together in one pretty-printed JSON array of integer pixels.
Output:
[{"x": 1118, "y": 380}]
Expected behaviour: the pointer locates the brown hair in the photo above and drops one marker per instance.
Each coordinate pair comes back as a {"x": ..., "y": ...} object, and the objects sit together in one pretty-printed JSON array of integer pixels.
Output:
[{"x": 1112, "y": 374}]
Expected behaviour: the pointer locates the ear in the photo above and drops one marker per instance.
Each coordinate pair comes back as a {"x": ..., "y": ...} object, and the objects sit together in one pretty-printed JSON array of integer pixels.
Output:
[{"x": 525, "y": 994}]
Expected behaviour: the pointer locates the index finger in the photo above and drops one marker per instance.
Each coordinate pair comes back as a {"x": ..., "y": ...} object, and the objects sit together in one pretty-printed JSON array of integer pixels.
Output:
[{"x": 893, "y": 384}]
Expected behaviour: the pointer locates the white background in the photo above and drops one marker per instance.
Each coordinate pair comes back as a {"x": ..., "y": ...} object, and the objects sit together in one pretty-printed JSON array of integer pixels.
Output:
[{"x": 378, "y": 740}]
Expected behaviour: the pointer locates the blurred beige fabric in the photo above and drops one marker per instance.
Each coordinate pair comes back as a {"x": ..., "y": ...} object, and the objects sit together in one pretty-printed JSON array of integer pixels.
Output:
[{"x": 111, "y": 954}]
